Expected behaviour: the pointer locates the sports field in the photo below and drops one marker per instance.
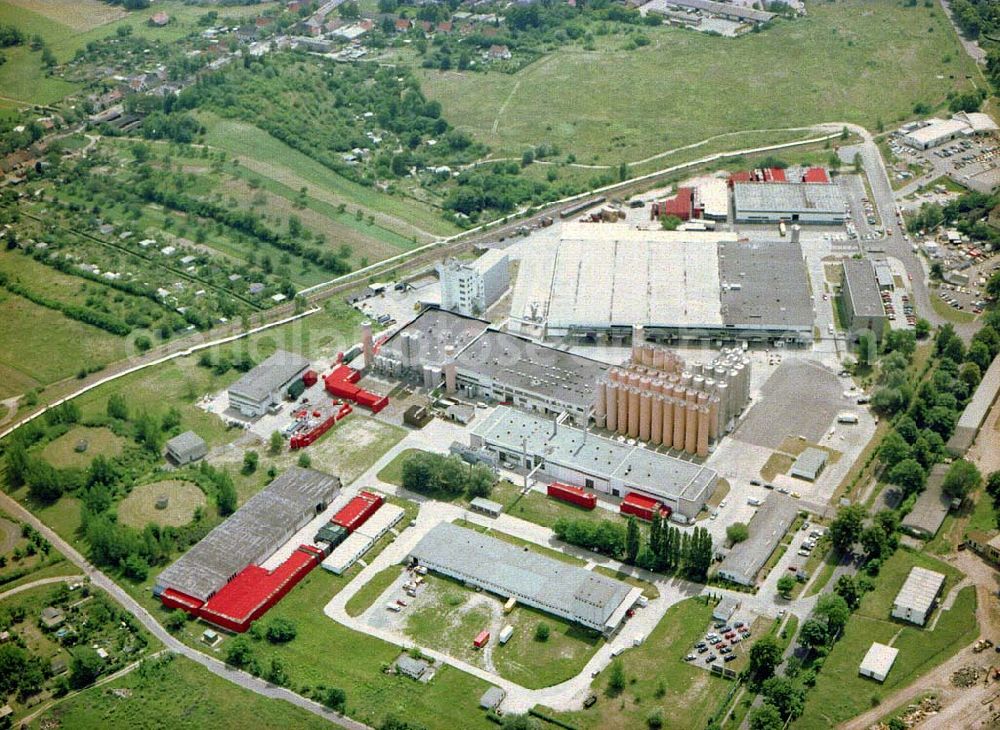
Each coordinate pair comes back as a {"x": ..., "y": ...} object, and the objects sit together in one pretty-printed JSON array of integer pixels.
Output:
[
  {"x": 854, "y": 61},
  {"x": 139, "y": 508}
]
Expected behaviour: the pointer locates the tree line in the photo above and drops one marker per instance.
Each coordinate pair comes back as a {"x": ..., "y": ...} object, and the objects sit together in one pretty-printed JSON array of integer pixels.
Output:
[
  {"x": 101, "y": 320},
  {"x": 667, "y": 549},
  {"x": 447, "y": 476}
]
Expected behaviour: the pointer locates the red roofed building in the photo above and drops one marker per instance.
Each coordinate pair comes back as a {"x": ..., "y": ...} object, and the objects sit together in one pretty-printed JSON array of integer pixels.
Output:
[
  {"x": 445, "y": 27},
  {"x": 254, "y": 590},
  {"x": 683, "y": 205},
  {"x": 403, "y": 25},
  {"x": 774, "y": 174},
  {"x": 815, "y": 175}
]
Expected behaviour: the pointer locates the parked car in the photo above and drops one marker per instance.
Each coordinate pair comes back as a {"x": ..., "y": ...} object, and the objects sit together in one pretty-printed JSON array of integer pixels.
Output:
[{"x": 690, "y": 658}]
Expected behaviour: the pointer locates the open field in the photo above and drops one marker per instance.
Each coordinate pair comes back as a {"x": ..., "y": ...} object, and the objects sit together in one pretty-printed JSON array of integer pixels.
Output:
[
  {"x": 658, "y": 664},
  {"x": 39, "y": 346},
  {"x": 534, "y": 663},
  {"x": 139, "y": 507},
  {"x": 656, "y": 99},
  {"x": 263, "y": 154},
  {"x": 878, "y": 603},
  {"x": 841, "y": 693},
  {"x": 364, "y": 598},
  {"x": 77, "y": 15},
  {"x": 178, "y": 693},
  {"x": 62, "y": 453},
  {"x": 353, "y": 445}
]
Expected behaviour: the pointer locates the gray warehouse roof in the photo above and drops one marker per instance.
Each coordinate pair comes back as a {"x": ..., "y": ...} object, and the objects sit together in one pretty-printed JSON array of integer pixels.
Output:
[
  {"x": 730, "y": 9},
  {"x": 975, "y": 412},
  {"x": 251, "y": 534},
  {"x": 765, "y": 284},
  {"x": 269, "y": 376},
  {"x": 437, "y": 329},
  {"x": 931, "y": 506},
  {"x": 767, "y": 528},
  {"x": 525, "y": 365},
  {"x": 507, "y": 570},
  {"x": 920, "y": 590},
  {"x": 862, "y": 288},
  {"x": 636, "y": 466},
  {"x": 777, "y": 197}
]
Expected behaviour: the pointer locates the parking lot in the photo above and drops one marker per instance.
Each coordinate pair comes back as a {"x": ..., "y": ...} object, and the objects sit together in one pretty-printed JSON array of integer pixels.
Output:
[{"x": 974, "y": 163}]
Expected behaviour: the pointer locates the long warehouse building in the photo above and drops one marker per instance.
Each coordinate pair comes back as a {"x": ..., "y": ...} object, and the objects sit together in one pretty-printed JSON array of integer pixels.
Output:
[
  {"x": 767, "y": 527},
  {"x": 508, "y": 571},
  {"x": 528, "y": 442},
  {"x": 251, "y": 534},
  {"x": 597, "y": 281}
]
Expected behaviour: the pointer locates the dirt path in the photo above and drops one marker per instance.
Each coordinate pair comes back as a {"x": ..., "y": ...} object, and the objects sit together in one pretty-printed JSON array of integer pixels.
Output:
[
  {"x": 961, "y": 708},
  {"x": 41, "y": 582}
]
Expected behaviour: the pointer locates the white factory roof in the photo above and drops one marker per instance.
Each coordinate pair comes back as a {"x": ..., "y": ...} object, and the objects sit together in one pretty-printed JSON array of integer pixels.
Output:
[
  {"x": 347, "y": 553},
  {"x": 385, "y": 517},
  {"x": 978, "y": 121},
  {"x": 603, "y": 274},
  {"x": 488, "y": 260},
  {"x": 636, "y": 466},
  {"x": 714, "y": 195},
  {"x": 920, "y": 590},
  {"x": 878, "y": 661},
  {"x": 270, "y": 375},
  {"x": 935, "y": 130}
]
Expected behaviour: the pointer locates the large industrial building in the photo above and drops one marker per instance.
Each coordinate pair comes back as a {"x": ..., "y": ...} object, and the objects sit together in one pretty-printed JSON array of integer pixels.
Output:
[
  {"x": 862, "y": 300},
  {"x": 599, "y": 280},
  {"x": 220, "y": 578},
  {"x": 472, "y": 287},
  {"x": 527, "y": 442},
  {"x": 463, "y": 354},
  {"x": 936, "y": 132},
  {"x": 773, "y": 202},
  {"x": 658, "y": 398},
  {"x": 767, "y": 527},
  {"x": 266, "y": 384},
  {"x": 918, "y": 596},
  {"x": 564, "y": 590}
]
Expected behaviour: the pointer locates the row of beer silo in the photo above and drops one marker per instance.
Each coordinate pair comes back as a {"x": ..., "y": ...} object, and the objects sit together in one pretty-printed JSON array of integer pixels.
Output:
[{"x": 686, "y": 410}]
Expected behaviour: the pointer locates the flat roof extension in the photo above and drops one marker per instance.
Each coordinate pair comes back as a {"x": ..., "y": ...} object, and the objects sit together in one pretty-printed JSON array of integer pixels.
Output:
[{"x": 270, "y": 375}]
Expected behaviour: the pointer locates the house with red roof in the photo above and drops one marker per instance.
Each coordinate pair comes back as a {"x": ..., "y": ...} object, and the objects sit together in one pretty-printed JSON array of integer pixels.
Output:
[{"x": 403, "y": 25}]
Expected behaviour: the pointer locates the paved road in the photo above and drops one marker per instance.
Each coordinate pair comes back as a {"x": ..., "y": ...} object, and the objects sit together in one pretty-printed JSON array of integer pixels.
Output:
[
  {"x": 215, "y": 666},
  {"x": 40, "y": 582}
]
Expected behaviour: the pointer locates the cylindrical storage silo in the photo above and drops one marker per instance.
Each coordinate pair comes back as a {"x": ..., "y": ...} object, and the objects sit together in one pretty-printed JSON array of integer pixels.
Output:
[
  {"x": 633, "y": 412},
  {"x": 658, "y": 358},
  {"x": 686, "y": 378},
  {"x": 451, "y": 377},
  {"x": 668, "y": 421},
  {"x": 622, "y": 409},
  {"x": 656, "y": 420},
  {"x": 645, "y": 414},
  {"x": 713, "y": 418},
  {"x": 647, "y": 355},
  {"x": 679, "y": 423},
  {"x": 724, "y": 414},
  {"x": 612, "y": 406},
  {"x": 600, "y": 403},
  {"x": 702, "y": 444},
  {"x": 638, "y": 339},
  {"x": 691, "y": 422}
]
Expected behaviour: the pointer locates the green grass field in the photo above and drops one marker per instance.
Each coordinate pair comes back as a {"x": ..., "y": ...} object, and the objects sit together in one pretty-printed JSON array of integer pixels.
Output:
[
  {"x": 392, "y": 472},
  {"x": 39, "y": 346},
  {"x": 139, "y": 507},
  {"x": 365, "y": 597},
  {"x": 654, "y": 666},
  {"x": 536, "y": 664},
  {"x": 270, "y": 158},
  {"x": 62, "y": 453},
  {"x": 878, "y": 603},
  {"x": 174, "y": 692},
  {"x": 685, "y": 87},
  {"x": 840, "y": 693}
]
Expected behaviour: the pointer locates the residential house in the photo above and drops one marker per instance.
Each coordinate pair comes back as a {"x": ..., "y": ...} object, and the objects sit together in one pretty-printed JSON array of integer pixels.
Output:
[
  {"x": 403, "y": 25},
  {"x": 984, "y": 545},
  {"x": 498, "y": 53},
  {"x": 445, "y": 27}
]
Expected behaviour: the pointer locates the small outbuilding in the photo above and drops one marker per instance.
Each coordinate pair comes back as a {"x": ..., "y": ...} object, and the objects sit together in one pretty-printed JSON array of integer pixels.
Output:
[
  {"x": 918, "y": 596},
  {"x": 725, "y": 609},
  {"x": 878, "y": 661},
  {"x": 492, "y": 698},
  {"x": 486, "y": 506},
  {"x": 186, "y": 448},
  {"x": 52, "y": 617},
  {"x": 410, "y": 667},
  {"x": 809, "y": 465}
]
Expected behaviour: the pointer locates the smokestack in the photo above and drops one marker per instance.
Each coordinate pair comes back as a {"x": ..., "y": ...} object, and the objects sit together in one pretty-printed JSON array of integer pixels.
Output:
[
  {"x": 367, "y": 344},
  {"x": 450, "y": 369}
]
